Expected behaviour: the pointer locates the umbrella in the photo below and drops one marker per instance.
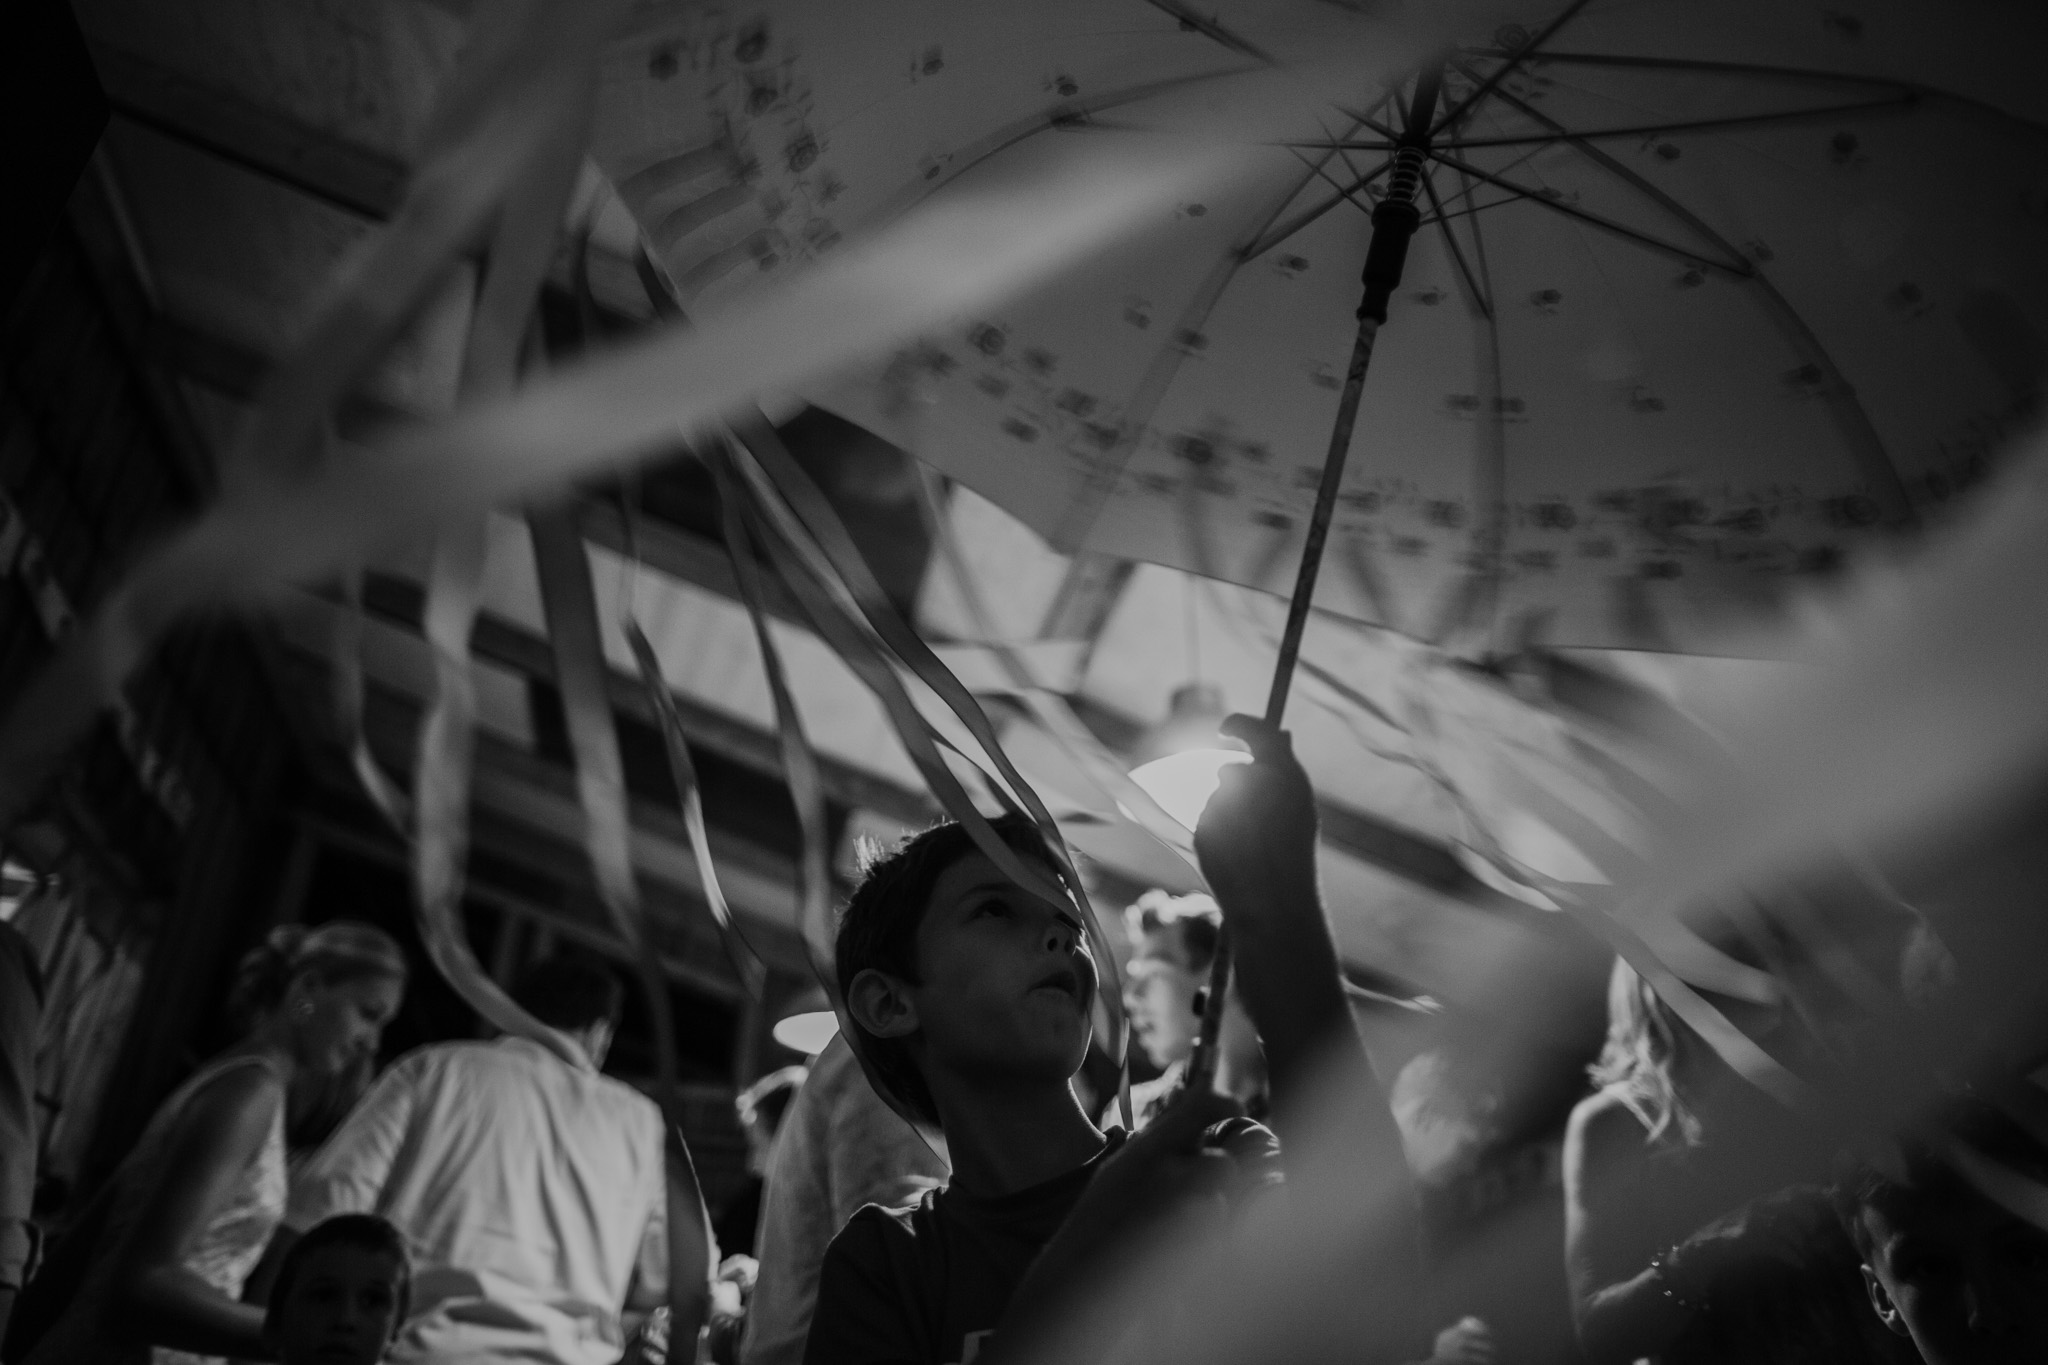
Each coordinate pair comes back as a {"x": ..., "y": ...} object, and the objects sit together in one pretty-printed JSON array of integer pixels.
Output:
[
  {"x": 1698, "y": 298},
  {"x": 1686, "y": 302}
]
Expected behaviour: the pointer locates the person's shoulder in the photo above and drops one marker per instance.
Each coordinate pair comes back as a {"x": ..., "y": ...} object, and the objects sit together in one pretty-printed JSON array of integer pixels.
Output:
[
  {"x": 233, "y": 1093},
  {"x": 869, "y": 1287},
  {"x": 882, "y": 1230},
  {"x": 628, "y": 1099},
  {"x": 873, "y": 1242},
  {"x": 1602, "y": 1126},
  {"x": 439, "y": 1059}
]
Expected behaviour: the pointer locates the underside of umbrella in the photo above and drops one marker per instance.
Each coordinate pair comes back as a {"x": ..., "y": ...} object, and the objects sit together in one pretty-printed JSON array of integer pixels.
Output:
[{"x": 1699, "y": 300}]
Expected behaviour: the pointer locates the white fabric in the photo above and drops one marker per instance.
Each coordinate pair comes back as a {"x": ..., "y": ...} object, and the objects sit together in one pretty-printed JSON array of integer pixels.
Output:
[
  {"x": 530, "y": 1192},
  {"x": 840, "y": 1148}
]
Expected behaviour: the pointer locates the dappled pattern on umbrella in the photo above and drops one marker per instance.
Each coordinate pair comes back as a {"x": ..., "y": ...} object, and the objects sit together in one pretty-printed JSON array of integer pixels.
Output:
[{"x": 1679, "y": 271}]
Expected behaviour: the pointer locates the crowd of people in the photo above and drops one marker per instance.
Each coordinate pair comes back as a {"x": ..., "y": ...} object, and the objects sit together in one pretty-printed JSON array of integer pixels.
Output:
[{"x": 938, "y": 1188}]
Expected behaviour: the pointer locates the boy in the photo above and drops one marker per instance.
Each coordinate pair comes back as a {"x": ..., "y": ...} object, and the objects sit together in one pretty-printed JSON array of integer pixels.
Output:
[
  {"x": 340, "y": 1294},
  {"x": 970, "y": 998},
  {"x": 1959, "y": 1273}
]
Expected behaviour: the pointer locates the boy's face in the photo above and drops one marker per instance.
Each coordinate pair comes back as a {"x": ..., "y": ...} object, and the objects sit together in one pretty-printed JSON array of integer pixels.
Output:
[
  {"x": 342, "y": 1308},
  {"x": 1006, "y": 981},
  {"x": 1159, "y": 996},
  {"x": 1964, "y": 1278}
]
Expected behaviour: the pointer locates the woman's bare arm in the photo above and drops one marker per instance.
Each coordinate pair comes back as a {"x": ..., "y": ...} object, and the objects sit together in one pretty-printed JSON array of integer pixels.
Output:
[
  {"x": 223, "y": 1127},
  {"x": 1619, "y": 1305}
]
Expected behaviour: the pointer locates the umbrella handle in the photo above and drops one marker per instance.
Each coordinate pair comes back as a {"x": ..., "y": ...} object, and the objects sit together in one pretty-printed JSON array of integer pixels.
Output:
[
  {"x": 1201, "y": 1072},
  {"x": 1394, "y": 220}
]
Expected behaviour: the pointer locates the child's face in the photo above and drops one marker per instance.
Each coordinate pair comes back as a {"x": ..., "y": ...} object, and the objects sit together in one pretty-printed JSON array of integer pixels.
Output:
[
  {"x": 1159, "y": 997},
  {"x": 1964, "y": 1278},
  {"x": 1006, "y": 980},
  {"x": 342, "y": 1308}
]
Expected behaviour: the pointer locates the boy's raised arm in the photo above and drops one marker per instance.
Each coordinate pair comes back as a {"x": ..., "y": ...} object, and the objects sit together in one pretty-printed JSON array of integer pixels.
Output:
[{"x": 1257, "y": 844}]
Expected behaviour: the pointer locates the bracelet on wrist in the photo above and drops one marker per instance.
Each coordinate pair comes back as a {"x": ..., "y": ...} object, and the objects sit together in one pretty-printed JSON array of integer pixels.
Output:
[{"x": 1692, "y": 1301}]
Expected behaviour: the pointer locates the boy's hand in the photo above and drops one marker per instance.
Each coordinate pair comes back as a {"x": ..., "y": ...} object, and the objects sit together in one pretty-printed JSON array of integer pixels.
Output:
[
  {"x": 1261, "y": 823},
  {"x": 1162, "y": 1167}
]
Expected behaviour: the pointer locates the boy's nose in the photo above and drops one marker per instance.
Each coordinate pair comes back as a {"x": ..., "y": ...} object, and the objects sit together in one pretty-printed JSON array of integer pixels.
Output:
[{"x": 1060, "y": 936}]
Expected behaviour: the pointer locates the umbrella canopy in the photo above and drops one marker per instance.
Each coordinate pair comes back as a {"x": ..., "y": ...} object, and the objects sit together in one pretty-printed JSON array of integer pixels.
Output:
[{"x": 1702, "y": 296}]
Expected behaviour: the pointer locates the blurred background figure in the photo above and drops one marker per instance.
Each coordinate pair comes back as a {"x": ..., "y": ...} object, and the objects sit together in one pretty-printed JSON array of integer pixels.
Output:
[
  {"x": 530, "y": 1187},
  {"x": 155, "y": 1267},
  {"x": 1962, "y": 1276},
  {"x": 1173, "y": 944},
  {"x": 341, "y": 1293},
  {"x": 1657, "y": 1267},
  {"x": 21, "y": 1008},
  {"x": 761, "y": 1108},
  {"x": 841, "y": 1148}
]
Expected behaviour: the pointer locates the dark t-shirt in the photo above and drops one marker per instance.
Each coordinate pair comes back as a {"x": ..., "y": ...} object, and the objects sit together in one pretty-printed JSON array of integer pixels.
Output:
[{"x": 926, "y": 1285}]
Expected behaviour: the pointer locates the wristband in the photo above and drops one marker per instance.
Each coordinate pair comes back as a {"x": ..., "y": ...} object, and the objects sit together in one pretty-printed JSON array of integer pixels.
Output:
[{"x": 1660, "y": 1267}]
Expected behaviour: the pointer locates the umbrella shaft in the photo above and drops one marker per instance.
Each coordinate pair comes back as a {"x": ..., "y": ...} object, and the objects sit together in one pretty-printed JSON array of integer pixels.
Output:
[{"x": 1319, "y": 520}]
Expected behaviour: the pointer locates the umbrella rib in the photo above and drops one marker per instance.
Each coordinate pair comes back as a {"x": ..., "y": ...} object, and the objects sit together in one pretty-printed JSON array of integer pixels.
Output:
[
  {"x": 1741, "y": 270},
  {"x": 1789, "y": 73},
  {"x": 1392, "y": 135},
  {"x": 1301, "y": 220},
  {"x": 1483, "y": 297},
  {"x": 1349, "y": 192},
  {"x": 1520, "y": 56},
  {"x": 1209, "y": 28},
  {"x": 1904, "y": 99},
  {"x": 1490, "y": 471},
  {"x": 1866, "y": 442},
  {"x": 1470, "y": 210},
  {"x": 1074, "y": 113},
  {"x": 1159, "y": 374},
  {"x": 1795, "y": 73}
]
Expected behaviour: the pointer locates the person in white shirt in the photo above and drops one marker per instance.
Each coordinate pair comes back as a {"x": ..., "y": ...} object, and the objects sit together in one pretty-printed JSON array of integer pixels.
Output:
[{"x": 530, "y": 1190}]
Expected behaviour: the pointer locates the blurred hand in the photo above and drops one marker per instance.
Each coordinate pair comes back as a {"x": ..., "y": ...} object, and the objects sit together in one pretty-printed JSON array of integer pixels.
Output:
[
  {"x": 1468, "y": 1341},
  {"x": 1261, "y": 823},
  {"x": 649, "y": 1342},
  {"x": 740, "y": 1269},
  {"x": 727, "y": 1303}
]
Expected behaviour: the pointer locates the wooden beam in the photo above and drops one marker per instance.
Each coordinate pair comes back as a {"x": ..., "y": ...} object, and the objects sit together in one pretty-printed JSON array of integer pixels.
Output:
[
  {"x": 356, "y": 179},
  {"x": 401, "y": 602},
  {"x": 525, "y": 812},
  {"x": 364, "y": 181},
  {"x": 598, "y": 938}
]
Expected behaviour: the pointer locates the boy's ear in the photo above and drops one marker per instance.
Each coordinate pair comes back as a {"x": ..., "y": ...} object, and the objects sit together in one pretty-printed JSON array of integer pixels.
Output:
[
  {"x": 881, "y": 1004},
  {"x": 1881, "y": 1301}
]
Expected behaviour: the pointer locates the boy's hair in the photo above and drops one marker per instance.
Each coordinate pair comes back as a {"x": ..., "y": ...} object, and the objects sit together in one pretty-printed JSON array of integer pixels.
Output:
[
  {"x": 1194, "y": 922},
  {"x": 365, "y": 1230},
  {"x": 571, "y": 991},
  {"x": 1922, "y": 1172},
  {"x": 878, "y": 929}
]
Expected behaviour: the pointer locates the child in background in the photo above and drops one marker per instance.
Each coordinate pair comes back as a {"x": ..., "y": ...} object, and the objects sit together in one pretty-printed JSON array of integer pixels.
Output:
[
  {"x": 1959, "y": 1273},
  {"x": 341, "y": 1293}
]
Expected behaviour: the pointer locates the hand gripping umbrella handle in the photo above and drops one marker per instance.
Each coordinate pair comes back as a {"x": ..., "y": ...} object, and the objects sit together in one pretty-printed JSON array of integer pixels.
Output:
[{"x": 1394, "y": 220}]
